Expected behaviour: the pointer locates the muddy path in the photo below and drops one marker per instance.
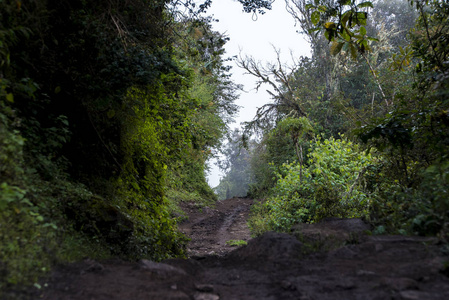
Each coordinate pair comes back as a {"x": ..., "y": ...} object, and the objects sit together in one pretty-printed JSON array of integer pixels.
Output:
[
  {"x": 211, "y": 228},
  {"x": 331, "y": 260}
]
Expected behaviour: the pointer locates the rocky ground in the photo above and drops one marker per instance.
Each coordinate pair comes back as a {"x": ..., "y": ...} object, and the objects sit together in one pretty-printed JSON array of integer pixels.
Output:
[{"x": 331, "y": 260}]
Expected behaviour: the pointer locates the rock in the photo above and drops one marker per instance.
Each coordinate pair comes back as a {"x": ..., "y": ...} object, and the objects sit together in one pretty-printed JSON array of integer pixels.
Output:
[
  {"x": 270, "y": 246},
  {"x": 171, "y": 295},
  {"x": 207, "y": 288},
  {"x": 205, "y": 296},
  {"x": 400, "y": 284},
  {"x": 160, "y": 269},
  {"x": 346, "y": 284},
  {"x": 415, "y": 295},
  {"x": 365, "y": 273},
  {"x": 93, "y": 267},
  {"x": 287, "y": 285},
  {"x": 379, "y": 247},
  {"x": 347, "y": 252},
  {"x": 331, "y": 233}
]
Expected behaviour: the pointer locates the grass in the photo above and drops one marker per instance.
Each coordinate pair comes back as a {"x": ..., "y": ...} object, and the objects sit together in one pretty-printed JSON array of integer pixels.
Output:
[{"x": 236, "y": 243}]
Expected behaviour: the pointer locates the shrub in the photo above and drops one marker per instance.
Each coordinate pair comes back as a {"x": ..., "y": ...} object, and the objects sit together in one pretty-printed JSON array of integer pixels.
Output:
[{"x": 333, "y": 185}]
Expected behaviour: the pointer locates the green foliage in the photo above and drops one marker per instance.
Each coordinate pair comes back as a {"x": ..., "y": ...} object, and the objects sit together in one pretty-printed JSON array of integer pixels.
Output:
[
  {"x": 34, "y": 234},
  {"x": 421, "y": 210},
  {"x": 413, "y": 135},
  {"x": 343, "y": 23},
  {"x": 393, "y": 93},
  {"x": 333, "y": 185},
  {"x": 236, "y": 243},
  {"x": 99, "y": 115}
]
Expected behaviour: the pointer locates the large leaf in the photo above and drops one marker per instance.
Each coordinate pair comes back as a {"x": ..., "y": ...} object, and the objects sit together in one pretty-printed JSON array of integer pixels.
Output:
[
  {"x": 10, "y": 98},
  {"x": 336, "y": 47},
  {"x": 309, "y": 6},
  {"x": 330, "y": 25},
  {"x": 365, "y": 4},
  {"x": 353, "y": 51},
  {"x": 345, "y": 35},
  {"x": 361, "y": 18},
  {"x": 372, "y": 39},
  {"x": 362, "y": 31},
  {"x": 345, "y": 17},
  {"x": 315, "y": 17},
  {"x": 322, "y": 8},
  {"x": 327, "y": 35}
]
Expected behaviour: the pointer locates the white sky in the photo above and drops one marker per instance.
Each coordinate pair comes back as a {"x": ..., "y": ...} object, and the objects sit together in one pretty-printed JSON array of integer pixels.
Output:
[{"x": 254, "y": 38}]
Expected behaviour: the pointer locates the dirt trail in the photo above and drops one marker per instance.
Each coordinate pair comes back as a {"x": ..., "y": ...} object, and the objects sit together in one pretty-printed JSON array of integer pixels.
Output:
[
  {"x": 210, "y": 229},
  {"x": 273, "y": 266}
]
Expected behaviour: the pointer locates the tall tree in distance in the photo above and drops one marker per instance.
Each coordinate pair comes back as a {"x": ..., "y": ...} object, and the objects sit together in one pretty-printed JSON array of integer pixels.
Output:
[{"x": 236, "y": 166}]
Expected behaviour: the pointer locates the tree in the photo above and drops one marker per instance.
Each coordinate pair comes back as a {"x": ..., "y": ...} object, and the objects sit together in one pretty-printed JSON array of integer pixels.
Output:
[{"x": 236, "y": 167}]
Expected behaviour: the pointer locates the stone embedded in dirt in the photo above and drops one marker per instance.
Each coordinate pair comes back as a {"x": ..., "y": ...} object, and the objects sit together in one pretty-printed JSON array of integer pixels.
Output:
[
  {"x": 160, "y": 269},
  {"x": 94, "y": 267},
  {"x": 365, "y": 273},
  {"x": 288, "y": 285},
  {"x": 169, "y": 295},
  {"x": 331, "y": 233},
  {"x": 271, "y": 246},
  {"x": 415, "y": 295},
  {"x": 205, "y": 296},
  {"x": 207, "y": 288},
  {"x": 400, "y": 284}
]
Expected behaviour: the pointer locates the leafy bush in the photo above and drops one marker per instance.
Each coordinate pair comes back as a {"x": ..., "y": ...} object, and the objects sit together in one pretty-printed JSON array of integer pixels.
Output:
[
  {"x": 420, "y": 210},
  {"x": 33, "y": 232},
  {"x": 333, "y": 185}
]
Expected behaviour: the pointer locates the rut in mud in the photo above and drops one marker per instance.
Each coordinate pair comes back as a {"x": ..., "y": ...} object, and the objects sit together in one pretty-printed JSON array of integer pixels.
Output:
[{"x": 332, "y": 260}]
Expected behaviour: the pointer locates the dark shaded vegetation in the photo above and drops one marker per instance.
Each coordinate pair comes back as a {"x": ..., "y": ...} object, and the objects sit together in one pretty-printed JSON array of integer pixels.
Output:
[{"x": 108, "y": 112}]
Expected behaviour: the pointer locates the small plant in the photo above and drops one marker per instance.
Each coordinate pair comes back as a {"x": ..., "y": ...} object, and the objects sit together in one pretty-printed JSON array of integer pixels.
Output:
[{"x": 236, "y": 243}]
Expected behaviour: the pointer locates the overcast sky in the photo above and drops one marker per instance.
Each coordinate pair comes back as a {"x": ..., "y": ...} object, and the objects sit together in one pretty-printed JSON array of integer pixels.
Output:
[{"x": 255, "y": 38}]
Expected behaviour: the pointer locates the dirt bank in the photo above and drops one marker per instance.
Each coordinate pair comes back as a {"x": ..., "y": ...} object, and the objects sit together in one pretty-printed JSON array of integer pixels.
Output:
[{"x": 273, "y": 266}]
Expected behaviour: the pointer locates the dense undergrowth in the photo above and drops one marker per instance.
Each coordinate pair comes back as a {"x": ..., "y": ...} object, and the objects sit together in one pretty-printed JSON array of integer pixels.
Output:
[{"x": 108, "y": 113}]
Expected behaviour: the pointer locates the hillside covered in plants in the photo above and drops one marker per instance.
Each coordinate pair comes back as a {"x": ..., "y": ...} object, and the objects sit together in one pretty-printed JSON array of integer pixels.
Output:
[
  {"x": 358, "y": 129},
  {"x": 108, "y": 113}
]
